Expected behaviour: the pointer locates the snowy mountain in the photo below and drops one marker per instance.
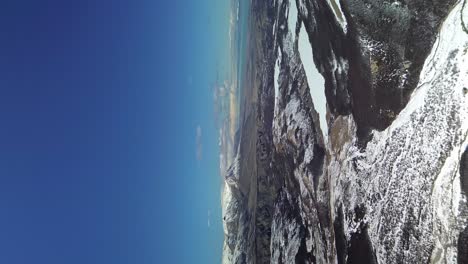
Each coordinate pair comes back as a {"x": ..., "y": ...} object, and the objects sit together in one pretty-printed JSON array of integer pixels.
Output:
[{"x": 387, "y": 181}]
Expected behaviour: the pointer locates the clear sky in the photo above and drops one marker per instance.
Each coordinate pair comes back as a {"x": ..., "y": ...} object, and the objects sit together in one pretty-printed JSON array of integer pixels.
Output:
[{"x": 100, "y": 106}]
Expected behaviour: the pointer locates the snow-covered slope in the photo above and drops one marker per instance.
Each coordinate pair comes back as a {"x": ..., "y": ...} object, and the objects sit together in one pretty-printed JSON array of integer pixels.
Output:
[{"x": 406, "y": 182}]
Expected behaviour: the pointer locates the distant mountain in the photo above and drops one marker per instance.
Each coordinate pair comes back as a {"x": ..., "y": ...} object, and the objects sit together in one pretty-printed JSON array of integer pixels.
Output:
[{"x": 388, "y": 183}]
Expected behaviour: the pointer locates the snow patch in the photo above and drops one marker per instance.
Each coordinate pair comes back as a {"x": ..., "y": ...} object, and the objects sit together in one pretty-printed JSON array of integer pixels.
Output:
[
  {"x": 276, "y": 77},
  {"x": 314, "y": 79},
  {"x": 335, "y": 6},
  {"x": 292, "y": 17}
]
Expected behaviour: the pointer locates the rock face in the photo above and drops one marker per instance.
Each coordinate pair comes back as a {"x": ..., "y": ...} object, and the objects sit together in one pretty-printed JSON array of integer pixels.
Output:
[{"x": 388, "y": 183}]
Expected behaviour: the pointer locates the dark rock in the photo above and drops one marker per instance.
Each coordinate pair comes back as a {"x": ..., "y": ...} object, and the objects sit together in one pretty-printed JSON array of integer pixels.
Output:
[
  {"x": 464, "y": 172},
  {"x": 340, "y": 238},
  {"x": 360, "y": 250},
  {"x": 463, "y": 247}
]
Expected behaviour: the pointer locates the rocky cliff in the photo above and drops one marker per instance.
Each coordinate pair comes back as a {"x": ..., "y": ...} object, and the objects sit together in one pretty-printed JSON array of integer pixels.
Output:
[{"x": 388, "y": 182}]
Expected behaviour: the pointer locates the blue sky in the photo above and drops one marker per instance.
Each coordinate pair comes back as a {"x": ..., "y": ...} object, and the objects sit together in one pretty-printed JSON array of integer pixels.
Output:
[{"x": 99, "y": 107}]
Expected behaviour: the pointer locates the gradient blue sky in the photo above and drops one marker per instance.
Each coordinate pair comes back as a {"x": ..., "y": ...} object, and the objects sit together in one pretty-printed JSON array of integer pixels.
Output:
[{"x": 99, "y": 106}]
